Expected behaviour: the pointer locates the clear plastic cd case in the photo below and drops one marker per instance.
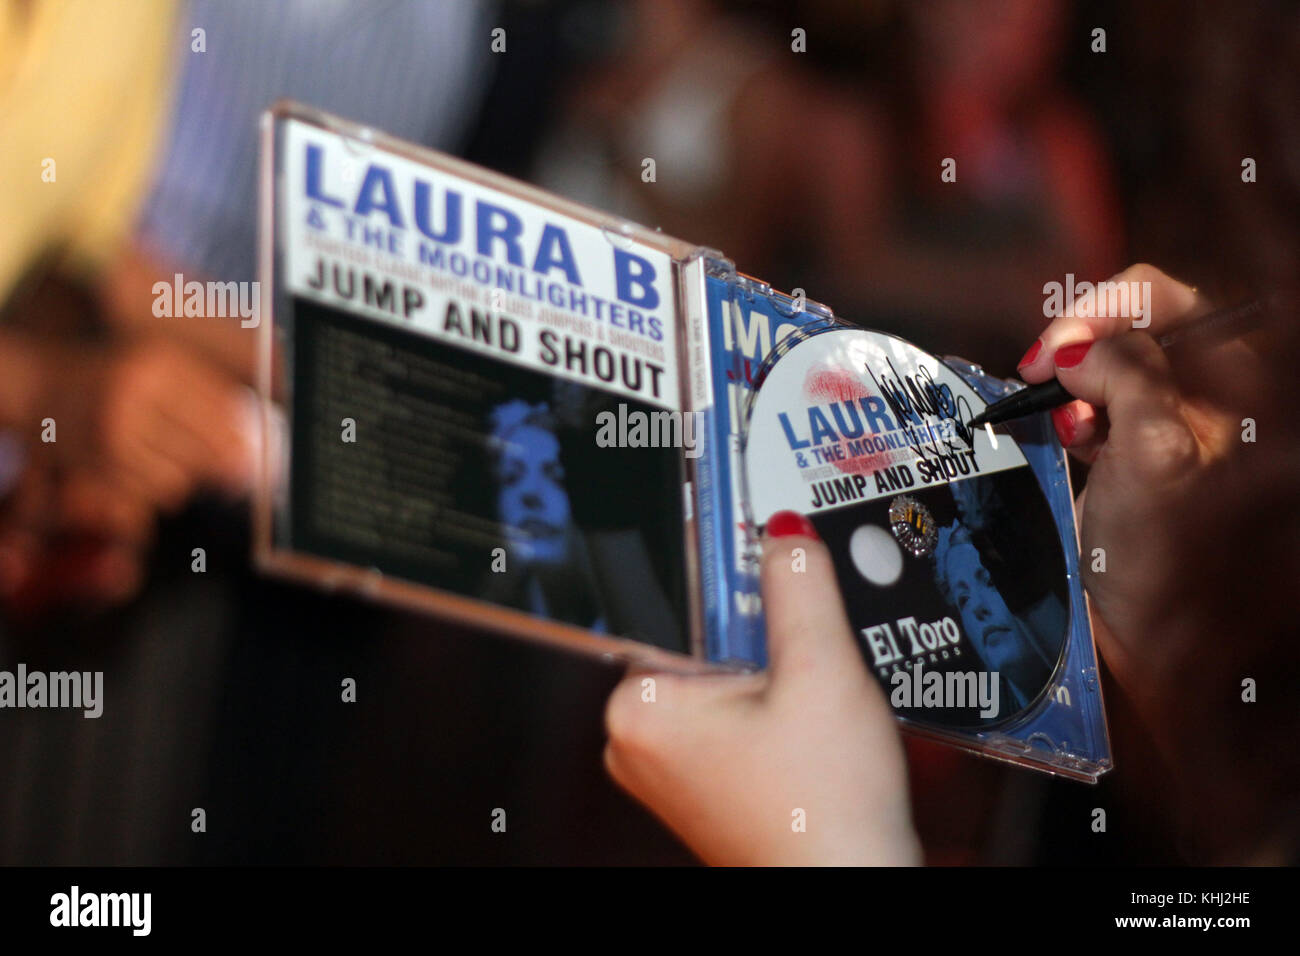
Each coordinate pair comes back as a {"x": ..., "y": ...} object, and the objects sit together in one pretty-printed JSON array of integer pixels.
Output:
[{"x": 498, "y": 406}]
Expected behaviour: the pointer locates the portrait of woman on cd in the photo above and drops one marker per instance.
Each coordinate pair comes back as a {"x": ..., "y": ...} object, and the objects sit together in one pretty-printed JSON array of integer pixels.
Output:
[
  {"x": 546, "y": 568},
  {"x": 1023, "y": 656},
  {"x": 1003, "y": 575}
]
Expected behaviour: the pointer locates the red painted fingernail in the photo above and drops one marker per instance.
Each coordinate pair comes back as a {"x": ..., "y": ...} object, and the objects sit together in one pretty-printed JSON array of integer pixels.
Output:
[
  {"x": 1063, "y": 422},
  {"x": 784, "y": 524},
  {"x": 1068, "y": 356},
  {"x": 1031, "y": 354}
]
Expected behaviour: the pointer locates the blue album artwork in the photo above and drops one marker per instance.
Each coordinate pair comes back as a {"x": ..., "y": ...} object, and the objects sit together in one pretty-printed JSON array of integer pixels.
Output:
[
  {"x": 481, "y": 477},
  {"x": 976, "y": 601}
]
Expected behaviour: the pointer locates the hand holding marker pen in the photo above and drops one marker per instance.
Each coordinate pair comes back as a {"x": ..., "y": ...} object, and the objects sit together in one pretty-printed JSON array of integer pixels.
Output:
[{"x": 1217, "y": 326}]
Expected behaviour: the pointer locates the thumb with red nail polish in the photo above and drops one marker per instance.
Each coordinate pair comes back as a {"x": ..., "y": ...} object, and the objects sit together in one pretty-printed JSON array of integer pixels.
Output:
[{"x": 785, "y": 524}]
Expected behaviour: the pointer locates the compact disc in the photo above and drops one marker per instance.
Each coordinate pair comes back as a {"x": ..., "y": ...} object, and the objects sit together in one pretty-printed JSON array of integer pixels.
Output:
[{"x": 948, "y": 558}]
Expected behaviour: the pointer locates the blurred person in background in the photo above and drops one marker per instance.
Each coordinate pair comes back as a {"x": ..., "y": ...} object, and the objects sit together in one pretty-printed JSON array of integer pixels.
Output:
[
  {"x": 823, "y": 170},
  {"x": 159, "y": 406},
  {"x": 224, "y": 685},
  {"x": 83, "y": 97},
  {"x": 158, "y": 413},
  {"x": 982, "y": 177}
]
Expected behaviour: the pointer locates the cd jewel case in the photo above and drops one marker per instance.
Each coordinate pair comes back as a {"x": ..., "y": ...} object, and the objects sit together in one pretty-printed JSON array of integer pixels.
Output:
[
  {"x": 955, "y": 548},
  {"x": 496, "y": 405}
]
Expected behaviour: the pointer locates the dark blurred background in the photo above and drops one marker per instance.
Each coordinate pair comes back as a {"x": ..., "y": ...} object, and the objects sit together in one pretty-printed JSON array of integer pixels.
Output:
[{"x": 817, "y": 169}]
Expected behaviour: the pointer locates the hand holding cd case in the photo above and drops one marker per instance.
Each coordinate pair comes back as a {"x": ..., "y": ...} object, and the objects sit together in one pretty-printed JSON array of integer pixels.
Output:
[{"x": 507, "y": 408}]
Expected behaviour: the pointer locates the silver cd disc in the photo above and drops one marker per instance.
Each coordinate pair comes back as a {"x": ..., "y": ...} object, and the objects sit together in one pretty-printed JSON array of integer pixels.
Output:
[{"x": 868, "y": 436}]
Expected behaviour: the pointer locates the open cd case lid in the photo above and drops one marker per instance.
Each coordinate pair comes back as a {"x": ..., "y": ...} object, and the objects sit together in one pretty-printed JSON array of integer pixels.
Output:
[
  {"x": 496, "y": 405},
  {"x": 443, "y": 341}
]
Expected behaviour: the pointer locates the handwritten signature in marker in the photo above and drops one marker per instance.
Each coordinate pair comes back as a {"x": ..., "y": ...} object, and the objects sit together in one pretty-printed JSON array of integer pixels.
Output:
[{"x": 912, "y": 396}]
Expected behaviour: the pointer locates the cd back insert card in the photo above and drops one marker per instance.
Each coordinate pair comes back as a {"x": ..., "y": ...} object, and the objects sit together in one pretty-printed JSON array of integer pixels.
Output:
[
  {"x": 446, "y": 352},
  {"x": 501, "y": 407}
]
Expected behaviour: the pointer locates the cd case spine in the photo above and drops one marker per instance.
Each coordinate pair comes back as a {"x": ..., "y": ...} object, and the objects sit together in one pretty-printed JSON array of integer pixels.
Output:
[{"x": 746, "y": 320}]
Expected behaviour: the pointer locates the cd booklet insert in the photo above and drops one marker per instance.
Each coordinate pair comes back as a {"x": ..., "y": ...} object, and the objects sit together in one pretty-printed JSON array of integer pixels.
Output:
[{"x": 493, "y": 404}]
